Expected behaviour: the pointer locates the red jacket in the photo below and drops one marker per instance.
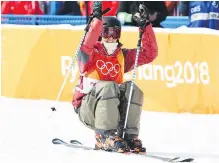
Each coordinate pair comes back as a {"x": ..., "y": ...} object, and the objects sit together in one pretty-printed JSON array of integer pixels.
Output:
[
  {"x": 91, "y": 47},
  {"x": 21, "y": 7},
  {"x": 113, "y": 5}
]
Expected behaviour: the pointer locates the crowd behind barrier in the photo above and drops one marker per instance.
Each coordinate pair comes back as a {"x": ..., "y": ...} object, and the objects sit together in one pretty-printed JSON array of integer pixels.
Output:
[
  {"x": 58, "y": 12},
  {"x": 68, "y": 7},
  {"x": 170, "y": 22},
  {"x": 165, "y": 14}
]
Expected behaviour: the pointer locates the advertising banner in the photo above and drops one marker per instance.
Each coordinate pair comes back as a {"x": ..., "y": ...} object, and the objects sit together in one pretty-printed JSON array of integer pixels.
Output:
[{"x": 183, "y": 78}]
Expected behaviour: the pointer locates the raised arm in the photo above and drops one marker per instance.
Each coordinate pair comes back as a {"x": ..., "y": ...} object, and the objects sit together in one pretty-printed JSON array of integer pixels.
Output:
[
  {"x": 92, "y": 35},
  {"x": 148, "y": 53}
]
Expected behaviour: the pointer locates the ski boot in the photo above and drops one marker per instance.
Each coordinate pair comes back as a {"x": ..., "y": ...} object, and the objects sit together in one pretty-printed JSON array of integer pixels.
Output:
[
  {"x": 111, "y": 143},
  {"x": 135, "y": 144}
]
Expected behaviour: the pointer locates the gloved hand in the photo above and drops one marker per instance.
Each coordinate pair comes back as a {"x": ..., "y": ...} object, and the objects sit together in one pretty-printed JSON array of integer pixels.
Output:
[
  {"x": 97, "y": 9},
  {"x": 141, "y": 17}
]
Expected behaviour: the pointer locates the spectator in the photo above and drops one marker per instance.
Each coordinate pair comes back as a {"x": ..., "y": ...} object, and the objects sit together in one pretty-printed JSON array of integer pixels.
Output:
[
  {"x": 172, "y": 7},
  {"x": 87, "y": 10},
  {"x": 44, "y": 6},
  {"x": 69, "y": 8},
  {"x": 201, "y": 13},
  {"x": 53, "y": 7},
  {"x": 21, "y": 7},
  {"x": 127, "y": 9}
]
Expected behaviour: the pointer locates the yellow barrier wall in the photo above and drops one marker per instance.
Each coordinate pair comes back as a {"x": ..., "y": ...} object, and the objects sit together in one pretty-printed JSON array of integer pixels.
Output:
[{"x": 183, "y": 78}]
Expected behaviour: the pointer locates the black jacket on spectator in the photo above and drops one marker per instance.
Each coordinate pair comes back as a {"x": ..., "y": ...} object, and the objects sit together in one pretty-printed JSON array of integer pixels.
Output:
[
  {"x": 131, "y": 7},
  {"x": 69, "y": 8}
]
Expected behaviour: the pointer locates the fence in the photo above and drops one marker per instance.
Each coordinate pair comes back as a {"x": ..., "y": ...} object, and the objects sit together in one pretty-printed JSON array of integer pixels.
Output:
[{"x": 170, "y": 22}]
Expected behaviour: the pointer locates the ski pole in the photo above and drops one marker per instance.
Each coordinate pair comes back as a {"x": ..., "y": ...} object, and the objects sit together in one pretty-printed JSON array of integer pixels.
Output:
[
  {"x": 143, "y": 11},
  {"x": 75, "y": 56},
  {"x": 132, "y": 81}
]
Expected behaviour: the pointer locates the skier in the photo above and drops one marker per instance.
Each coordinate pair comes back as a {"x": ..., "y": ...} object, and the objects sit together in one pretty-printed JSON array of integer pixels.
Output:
[{"x": 101, "y": 96}]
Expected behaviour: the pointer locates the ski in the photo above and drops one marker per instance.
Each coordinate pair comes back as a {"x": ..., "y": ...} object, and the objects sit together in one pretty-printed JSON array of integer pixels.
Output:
[
  {"x": 167, "y": 159},
  {"x": 78, "y": 145},
  {"x": 73, "y": 145}
]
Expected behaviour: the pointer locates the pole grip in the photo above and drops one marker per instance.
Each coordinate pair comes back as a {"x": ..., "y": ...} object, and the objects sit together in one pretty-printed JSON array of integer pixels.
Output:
[{"x": 91, "y": 18}]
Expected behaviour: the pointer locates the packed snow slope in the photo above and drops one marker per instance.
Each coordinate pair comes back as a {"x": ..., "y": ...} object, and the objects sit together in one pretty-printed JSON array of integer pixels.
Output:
[{"x": 27, "y": 128}]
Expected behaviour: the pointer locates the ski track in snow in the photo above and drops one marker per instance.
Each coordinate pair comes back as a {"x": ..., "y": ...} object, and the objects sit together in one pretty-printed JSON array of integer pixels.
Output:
[{"x": 27, "y": 128}]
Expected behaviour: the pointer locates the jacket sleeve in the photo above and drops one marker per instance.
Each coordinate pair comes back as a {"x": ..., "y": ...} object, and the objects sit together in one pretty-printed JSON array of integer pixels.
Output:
[
  {"x": 148, "y": 53},
  {"x": 87, "y": 46}
]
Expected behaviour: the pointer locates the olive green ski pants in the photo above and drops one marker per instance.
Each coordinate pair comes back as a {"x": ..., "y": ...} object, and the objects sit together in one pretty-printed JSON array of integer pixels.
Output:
[{"x": 104, "y": 108}]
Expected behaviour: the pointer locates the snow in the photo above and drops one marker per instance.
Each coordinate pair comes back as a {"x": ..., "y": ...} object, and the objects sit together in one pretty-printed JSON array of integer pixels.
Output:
[{"x": 28, "y": 126}]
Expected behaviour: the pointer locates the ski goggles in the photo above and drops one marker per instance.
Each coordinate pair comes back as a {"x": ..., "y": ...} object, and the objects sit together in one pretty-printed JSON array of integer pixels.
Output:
[{"x": 111, "y": 32}]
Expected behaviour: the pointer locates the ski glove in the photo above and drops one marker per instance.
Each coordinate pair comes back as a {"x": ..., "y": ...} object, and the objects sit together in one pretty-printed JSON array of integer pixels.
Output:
[
  {"x": 142, "y": 17},
  {"x": 97, "y": 9}
]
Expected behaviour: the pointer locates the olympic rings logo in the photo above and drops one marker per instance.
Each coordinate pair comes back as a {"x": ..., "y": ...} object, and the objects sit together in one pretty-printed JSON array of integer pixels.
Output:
[{"x": 107, "y": 68}]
